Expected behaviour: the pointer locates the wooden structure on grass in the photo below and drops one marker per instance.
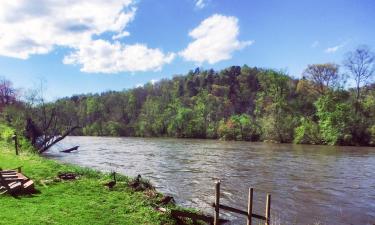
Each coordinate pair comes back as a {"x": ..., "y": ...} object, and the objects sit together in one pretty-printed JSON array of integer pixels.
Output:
[
  {"x": 15, "y": 183},
  {"x": 249, "y": 213}
]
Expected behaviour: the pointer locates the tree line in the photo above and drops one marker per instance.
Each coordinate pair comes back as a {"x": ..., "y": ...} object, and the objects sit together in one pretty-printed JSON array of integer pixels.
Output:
[{"x": 236, "y": 103}]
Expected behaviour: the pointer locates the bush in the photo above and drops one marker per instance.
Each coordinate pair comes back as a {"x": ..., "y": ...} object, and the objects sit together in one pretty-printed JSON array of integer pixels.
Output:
[
  {"x": 307, "y": 133},
  {"x": 6, "y": 133}
]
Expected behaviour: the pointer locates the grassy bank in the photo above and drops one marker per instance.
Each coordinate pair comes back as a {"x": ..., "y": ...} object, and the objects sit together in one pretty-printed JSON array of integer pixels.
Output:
[{"x": 82, "y": 201}]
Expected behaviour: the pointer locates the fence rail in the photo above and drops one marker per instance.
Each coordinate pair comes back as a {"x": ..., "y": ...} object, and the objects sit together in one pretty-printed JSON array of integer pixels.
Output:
[{"x": 249, "y": 213}]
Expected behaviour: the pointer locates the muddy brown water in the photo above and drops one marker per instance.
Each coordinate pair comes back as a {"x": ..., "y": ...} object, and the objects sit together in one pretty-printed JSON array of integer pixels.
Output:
[{"x": 308, "y": 184}]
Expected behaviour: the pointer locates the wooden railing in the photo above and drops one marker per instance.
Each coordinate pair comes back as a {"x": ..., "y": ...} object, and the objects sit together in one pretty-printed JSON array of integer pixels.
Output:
[{"x": 249, "y": 213}]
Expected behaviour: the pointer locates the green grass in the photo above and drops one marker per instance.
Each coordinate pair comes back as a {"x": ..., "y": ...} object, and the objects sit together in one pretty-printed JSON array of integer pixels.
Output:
[{"x": 83, "y": 201}]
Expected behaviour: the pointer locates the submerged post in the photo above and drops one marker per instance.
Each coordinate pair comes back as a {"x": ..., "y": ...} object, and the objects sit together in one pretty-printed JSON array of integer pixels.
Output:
[
  {"x": 268, "y": 210},
  {"x": 15, "y": 142},
  {"x": 217, "y": 203},
  {"x": 250, "y": 206}
]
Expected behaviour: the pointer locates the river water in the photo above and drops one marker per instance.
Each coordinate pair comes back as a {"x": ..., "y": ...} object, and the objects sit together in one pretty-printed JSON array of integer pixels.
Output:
[{"x": 309, "y": 184}]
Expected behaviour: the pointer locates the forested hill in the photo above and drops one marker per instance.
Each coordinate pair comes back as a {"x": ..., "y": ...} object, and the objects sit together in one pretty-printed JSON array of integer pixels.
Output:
[{"x": 237, "y": 103}]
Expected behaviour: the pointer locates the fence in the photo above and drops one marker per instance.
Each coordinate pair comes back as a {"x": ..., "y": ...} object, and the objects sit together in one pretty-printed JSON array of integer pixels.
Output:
[{"x": 249, "y": 213}]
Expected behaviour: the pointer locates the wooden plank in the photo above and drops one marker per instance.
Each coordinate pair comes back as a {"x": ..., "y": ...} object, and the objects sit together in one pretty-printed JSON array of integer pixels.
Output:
[
  {"x": 13, "y": 179},
  {"x": 234, "y": 210},
  {"x": 9, "y": 176},
  {"x": 20, "y": 175},
  {"x": 28, "y": 184},
  {"x": 250, "y": 207},
  {"x": 217, "y": 203},
  {"x": 14, "y": 185},
  {"x": 7, "y": 171},
  {"x": 230, "y": 209},
  {"x": 256, "y": 216}
]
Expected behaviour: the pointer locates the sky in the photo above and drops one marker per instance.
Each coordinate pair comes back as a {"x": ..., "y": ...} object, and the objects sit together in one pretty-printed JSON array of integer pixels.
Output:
[{"x": 92, "y": 46}]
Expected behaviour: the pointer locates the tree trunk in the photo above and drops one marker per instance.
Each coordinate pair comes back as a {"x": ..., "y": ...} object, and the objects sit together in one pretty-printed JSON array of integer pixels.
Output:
[{"x": 48, "y": 146}]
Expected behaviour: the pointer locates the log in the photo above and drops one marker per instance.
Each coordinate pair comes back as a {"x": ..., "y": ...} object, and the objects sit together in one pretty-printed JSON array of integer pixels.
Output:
[
  {"x": 69, "y": 150},
  {"x": 69, "y": 131}
]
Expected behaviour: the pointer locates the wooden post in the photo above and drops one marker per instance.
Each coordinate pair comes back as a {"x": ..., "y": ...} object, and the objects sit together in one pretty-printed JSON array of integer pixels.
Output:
[
  {"x": 250, "y": 206},
  {"x": 268, "y": 210},
  {"x": 217, "y": 203},
  {"x": 15, "y": 142}
]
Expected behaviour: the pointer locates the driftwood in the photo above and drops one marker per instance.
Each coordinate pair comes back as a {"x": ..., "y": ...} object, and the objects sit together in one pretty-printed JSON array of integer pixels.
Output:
[{"x": 69, "y": 150}]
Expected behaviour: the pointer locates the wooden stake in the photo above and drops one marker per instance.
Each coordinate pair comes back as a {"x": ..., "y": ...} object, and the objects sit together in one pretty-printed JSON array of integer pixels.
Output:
[
  {"x": 15, "y": 142},
  {"x": 250, "y": 206},
  {"x": 268, "y": 210},
  {"x": 217, "y": 203}
]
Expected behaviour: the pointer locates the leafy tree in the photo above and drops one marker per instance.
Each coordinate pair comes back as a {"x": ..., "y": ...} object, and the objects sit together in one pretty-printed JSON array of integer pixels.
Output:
[
  {"x": 334, "y": 119},
  {"x": 307, "y": 132}
]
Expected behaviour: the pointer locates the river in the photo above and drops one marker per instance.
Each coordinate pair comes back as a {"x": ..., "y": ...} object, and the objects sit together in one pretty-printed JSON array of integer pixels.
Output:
[{"x": 309, "y": 184}]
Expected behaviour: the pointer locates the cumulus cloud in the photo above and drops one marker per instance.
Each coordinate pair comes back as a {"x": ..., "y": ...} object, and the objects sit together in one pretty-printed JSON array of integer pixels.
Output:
[
  {"x": 29, "y": 27},
  {"x": 334, "y": 48},
  {"x": 215, "y": 39},
  {"x": 101, "y": 56}
]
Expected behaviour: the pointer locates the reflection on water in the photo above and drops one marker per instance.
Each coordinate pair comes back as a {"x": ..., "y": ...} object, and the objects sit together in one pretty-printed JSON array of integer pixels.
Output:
[{"x": 333, "y": 185}]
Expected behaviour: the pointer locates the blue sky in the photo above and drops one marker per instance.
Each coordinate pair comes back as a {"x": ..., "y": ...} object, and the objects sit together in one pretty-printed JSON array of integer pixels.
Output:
[{"x": 84, "y": 46}]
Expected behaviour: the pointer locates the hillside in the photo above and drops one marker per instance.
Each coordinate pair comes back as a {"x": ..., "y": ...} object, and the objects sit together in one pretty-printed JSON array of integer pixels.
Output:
[{"x": 237, "y": 103}]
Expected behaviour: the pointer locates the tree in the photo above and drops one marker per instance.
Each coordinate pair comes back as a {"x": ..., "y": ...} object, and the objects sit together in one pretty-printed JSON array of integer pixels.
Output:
[
  {"x": 7, "y": 93},
  {"x": 335, "y": 119},
  {"x": 361, "y": 65},
  {"x": 43, "y": 127},
  {"x": 324, "y": 76}
]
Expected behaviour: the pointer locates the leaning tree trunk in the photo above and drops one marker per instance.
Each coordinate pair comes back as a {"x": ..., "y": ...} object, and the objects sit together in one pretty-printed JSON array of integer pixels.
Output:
[
  {"x": 44, "y": 140},
  {"x": 53, "y": 141}
]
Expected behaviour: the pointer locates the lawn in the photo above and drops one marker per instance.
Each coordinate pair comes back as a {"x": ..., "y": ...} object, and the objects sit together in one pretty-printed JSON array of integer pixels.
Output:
[{"x": 82, "y": 201}]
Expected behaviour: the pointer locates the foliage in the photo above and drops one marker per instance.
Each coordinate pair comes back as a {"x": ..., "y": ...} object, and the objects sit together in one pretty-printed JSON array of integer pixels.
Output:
[
  {"x": 307, "y": 132},
  {"x": 236, "y": 103},
  {"x": 334, "y": 119}
]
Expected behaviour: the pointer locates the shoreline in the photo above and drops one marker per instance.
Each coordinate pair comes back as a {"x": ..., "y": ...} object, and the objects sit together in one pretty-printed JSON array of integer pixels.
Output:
[
  {"x": 82, "y": 201},
  {"x": 228, "y": 141}
]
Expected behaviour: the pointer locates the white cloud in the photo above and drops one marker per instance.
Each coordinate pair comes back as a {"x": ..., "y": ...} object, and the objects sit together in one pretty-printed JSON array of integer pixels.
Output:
[
  {"x": 101, "y": 56},
  {"x": 215, "y": 39},
  {"x": 334, "y": 48},
  {"x": 36, "y": 26},
  {"x": 29, "y": 27},
  {"x": 120, "y": 35},
  {"x": 200, "y": 4}
]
